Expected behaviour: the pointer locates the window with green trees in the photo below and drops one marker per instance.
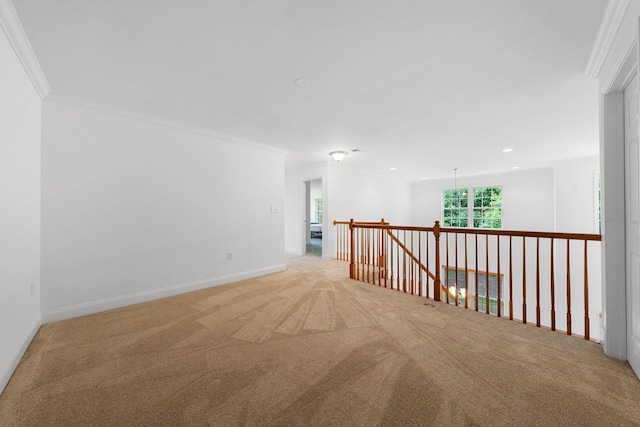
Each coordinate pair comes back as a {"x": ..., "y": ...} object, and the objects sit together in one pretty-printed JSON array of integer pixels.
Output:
[
  {"x": 479, "y": 207},
  {"x": 318, "y": 210}
]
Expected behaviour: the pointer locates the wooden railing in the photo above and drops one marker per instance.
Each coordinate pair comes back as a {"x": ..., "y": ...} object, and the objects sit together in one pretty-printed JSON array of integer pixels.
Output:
[{"x": 520, "y": 275}]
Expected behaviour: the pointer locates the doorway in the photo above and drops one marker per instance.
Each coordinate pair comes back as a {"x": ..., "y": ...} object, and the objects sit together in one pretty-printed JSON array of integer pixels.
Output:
[{"x": 314, "y": 217}]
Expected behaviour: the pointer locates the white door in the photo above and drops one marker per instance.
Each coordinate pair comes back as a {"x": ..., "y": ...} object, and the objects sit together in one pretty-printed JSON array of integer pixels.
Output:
[{"x": 632, "y": 197}]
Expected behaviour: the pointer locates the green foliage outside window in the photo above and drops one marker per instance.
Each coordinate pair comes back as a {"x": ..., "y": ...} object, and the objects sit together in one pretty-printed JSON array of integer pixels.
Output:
[
  {"x": 318, "y": 210},
  {"x": 485, "y": 204},
  {"x": 487, "y": 207},
  {"x": 456, "y": 212}
]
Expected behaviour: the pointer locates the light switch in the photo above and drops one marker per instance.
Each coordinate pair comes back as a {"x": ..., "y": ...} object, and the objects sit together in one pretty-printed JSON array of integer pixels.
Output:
[{"x": 275, "y": 209}]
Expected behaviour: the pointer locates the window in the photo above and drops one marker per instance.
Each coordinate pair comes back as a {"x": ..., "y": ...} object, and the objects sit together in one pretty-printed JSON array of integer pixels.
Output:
[
  {"x": 318, "y": 210},
  {"x": 455, "y": 212},
  {"x": 464, "y": 291},
  {"x": 481, "y": 207}
]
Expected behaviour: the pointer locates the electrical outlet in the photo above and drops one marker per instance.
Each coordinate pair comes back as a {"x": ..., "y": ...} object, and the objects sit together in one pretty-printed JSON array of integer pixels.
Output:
[{"x": 229, "y": 256}]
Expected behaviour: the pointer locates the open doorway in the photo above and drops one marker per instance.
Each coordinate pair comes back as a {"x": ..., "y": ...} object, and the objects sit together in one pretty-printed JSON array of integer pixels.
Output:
[{"x": 314, "y": 217}]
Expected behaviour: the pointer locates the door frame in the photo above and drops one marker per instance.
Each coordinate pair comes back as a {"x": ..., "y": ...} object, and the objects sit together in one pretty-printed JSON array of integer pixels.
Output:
[
  {"x": 307, "y": 213},
  {"x": 614, "y": 299}
]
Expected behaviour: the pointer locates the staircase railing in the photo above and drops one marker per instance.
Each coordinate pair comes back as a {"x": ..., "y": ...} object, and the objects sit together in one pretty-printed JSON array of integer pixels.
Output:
[{"x": 519, "y": 275}]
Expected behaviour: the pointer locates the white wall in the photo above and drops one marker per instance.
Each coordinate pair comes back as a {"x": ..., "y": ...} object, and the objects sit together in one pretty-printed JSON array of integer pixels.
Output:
[
  {"x": 365, "y": 196},
  {"x": 20, "y": 112},
  {"x": 135, "y": 210},
  {"x": 527, "y": 197},
  {"x": 576, "y": 195}
]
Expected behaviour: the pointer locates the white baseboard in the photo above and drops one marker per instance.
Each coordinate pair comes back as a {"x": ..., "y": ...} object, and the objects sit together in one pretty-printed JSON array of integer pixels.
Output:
[
  {"x": 6, "y": 376},
  {"x": 137, "y": 298},
  {"x": 290, "y": 251}
]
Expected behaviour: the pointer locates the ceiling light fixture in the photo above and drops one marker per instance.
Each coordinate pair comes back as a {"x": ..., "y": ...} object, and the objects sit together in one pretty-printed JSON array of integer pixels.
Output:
[
  {"x": 338, "y": 155},
  {"x": 507, "y": 150},
  {"x": 302, "y": 82},
  {"x": 392, "y": 169}
]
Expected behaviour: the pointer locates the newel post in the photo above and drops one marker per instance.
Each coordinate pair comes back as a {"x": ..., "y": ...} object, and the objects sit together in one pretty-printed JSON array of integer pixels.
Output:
[
  {"x": 437, "y": 286},
  {"x": 352, "y": 257}
]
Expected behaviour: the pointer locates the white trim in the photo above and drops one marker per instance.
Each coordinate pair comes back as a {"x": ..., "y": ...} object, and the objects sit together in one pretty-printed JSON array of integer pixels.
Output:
[
  {"x": 17, "y": 357},
  {"x": 609, "y": 27},
  {"x": 140, "y": 297},
  {"x": 625, "y": 70},
  {"x": 99, "y": 107},
  {"x": 17, "y": 37}
]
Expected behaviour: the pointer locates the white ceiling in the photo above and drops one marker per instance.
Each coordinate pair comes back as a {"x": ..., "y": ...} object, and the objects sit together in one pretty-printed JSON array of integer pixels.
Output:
[{"x": 421, "y": 85}]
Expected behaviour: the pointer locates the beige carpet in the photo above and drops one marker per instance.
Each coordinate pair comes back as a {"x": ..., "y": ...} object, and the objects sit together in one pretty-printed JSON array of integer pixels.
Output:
[{"x": 310, "y": 347}]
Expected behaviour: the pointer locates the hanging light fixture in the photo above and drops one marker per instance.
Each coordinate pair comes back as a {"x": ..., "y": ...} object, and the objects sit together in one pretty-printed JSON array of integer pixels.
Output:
[
  {"x": 455, "y": 180},
  {"x": 338, "y": 155}
]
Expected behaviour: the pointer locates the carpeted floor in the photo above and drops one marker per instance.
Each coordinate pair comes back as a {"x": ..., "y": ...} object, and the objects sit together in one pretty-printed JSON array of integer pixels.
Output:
[{"x": 310, "y": 347}]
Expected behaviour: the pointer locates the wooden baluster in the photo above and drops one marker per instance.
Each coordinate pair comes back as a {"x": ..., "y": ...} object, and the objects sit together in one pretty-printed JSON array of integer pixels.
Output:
[
  {"x": 342, "y": 243},
  {"x": 391, "y": 264},
  {"x": 437, "y": 286},
  {"x": 363, "y": 259},
  {"x": 446, "y": 272},
  {"x": 510, "y": 278},
  {"x": 426, "y": 240},
  {"x": 456, "y": 271},
  {"x": 365, "y": 254},
  {"x": 376, "y": 253},
  {"x": 398, "y": 285},
  {"x": 477, "y": 276},
  {"x": 352, "y": 266},
  {"x": 587, "y": 326},
  {"x": 338, "y": 228},
  {"x": 404, "y": 262},
  {"x": 370, "y": 259},
  {"x": 413, "y": 268},
  {"x": 499, "y": 278},
  {"x": 553, "y": 287},
  {"x": 538, "y": 282},
  {"x": 568, "y": 288},
  {"x": 420, "y": 258},
  {"x": 383, "y": 257},
  {"x": 524, "y": 280},
  {"x": 466, "y": 273},
  {"x": 486, "y": 275},
  {"x": 343, "y": 255}
]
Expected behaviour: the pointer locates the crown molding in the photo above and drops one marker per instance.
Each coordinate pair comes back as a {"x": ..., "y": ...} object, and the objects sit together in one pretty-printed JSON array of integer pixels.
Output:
[
  {"x": 99, "y": 107},
  {"x": 17, "y": 37},
  {"x": 611, "y": 21}
]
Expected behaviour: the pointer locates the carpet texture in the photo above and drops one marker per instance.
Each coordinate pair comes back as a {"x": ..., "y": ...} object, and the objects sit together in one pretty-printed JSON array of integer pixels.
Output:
[{"x": 309, "y": 347}]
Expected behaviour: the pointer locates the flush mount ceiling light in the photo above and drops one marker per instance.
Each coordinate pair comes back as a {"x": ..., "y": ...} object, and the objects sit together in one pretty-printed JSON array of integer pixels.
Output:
[
  {"x": 338, "y": 155},
  {"x": 507, "y": 150},
  {"x": 302, "y": 82}
]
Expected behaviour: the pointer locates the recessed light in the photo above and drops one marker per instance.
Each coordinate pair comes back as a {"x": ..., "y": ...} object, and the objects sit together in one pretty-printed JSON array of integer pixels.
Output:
[
  {"x": 516, "y": 167},
  {"x": 507, "y": 150},
  {"x": 302, "y": 82},
  {"x": 392, "y": 169},
  {"x": 424, "y": 177}
]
